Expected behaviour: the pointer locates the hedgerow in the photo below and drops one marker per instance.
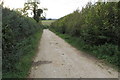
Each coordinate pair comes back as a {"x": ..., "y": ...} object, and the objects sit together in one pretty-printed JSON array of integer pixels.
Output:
[
  {"x": 98, "y": 25},
  {"x": 18, "y": 40}
]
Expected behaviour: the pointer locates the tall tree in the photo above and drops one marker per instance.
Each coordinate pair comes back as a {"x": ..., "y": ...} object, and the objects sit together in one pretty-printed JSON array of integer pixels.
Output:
[{"x": 33, "y": 5}]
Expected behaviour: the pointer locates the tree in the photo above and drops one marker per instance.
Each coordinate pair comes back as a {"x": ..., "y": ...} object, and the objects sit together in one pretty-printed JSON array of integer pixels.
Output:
[{"x": 33, "y": 5}]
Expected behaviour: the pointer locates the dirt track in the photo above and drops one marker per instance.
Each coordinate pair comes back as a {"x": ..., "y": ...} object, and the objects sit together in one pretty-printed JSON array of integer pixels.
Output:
[{"x": 57, "y": 59}]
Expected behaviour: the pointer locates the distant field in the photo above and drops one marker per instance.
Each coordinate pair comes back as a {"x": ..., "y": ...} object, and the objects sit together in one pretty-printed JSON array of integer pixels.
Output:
[{"x": 47, "y": 22}]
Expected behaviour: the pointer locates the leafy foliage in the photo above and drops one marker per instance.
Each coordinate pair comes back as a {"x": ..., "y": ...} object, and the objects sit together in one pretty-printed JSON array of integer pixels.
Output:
[
  {"x": 98, "y": 25},
  {"x": 17, "y": 38}
]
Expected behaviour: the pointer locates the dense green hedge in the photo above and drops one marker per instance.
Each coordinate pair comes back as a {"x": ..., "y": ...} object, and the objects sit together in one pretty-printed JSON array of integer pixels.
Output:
[
  {"x": 18, "y": 39},
  {"x": 98, "y": 25}
]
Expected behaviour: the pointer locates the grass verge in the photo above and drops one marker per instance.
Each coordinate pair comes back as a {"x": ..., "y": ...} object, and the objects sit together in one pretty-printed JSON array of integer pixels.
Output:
[
  {"x": 28, "y": 47},
  {"x": 109, "y": 53}
]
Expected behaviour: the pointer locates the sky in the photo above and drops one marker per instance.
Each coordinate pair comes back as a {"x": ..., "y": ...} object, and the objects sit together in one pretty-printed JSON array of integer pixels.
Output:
[{"x": 56, "y": 8}]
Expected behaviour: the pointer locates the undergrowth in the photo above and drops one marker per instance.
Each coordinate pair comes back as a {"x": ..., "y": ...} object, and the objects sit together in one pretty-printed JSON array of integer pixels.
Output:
[
  {"x": 29, "y": 47},
  {"x": 109, "y": 53}
]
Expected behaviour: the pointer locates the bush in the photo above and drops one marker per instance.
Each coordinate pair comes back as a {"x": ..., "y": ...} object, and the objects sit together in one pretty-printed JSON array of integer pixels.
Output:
[
  {"x": 97, "y": 27},
  {"x": 16, "y": 40},
  {"x": 96, "y": 23}
]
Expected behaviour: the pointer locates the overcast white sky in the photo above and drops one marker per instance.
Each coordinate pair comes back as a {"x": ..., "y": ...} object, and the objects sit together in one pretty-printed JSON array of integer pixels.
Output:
[{"x": 56, "y": 8}]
